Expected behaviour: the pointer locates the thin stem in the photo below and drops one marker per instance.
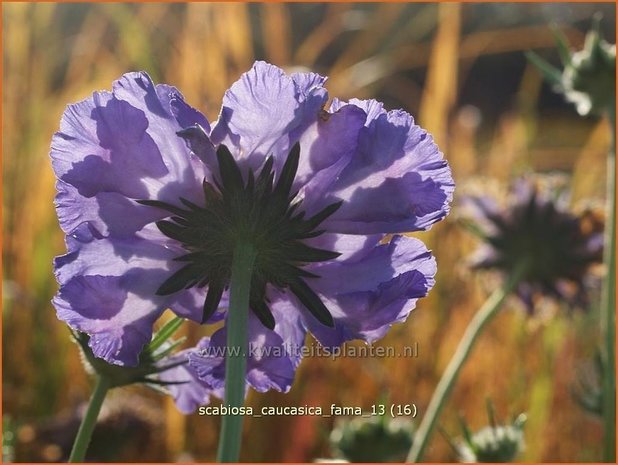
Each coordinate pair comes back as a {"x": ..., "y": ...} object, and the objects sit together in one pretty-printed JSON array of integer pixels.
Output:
[
  {"x": 608, "y": 302},
  {"x": 440, "y": 395},
  {"x": 236, "y": 361},
  {"x": 84, "y": 434}
]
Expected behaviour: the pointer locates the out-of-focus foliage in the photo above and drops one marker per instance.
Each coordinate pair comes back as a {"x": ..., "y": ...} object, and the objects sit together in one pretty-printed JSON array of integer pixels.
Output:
[{"x": 459, "y": 69}]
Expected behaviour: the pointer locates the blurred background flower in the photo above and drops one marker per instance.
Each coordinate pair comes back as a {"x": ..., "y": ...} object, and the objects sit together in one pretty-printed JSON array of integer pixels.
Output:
[
  {"x": 535, "y": 229},
  {"x": 459, "y": 69}
]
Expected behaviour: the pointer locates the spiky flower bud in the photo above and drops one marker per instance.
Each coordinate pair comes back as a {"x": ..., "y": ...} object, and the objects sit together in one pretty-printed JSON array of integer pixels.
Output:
[
  {"x": 374, "y": 439},
  {"x": 588, "y": 77},
  {"x": 492, "y": 444}
]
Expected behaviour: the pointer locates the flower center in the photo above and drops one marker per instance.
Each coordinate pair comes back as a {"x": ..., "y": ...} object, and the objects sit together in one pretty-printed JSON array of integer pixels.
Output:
[{"x": 260, "y": 212}]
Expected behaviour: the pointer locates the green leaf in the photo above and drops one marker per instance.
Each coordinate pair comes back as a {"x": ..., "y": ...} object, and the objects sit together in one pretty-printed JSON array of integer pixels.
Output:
[
  {"x": 491, "y": 413},
  {"x": 449, "y": 440},
  {"x": 466, "y": 431},
  {"x": 168, "y": 350},
  {"x": 164, "y": 333},
  {"x": 549, "y": 72},
  {"x": 562, "y": 44}
]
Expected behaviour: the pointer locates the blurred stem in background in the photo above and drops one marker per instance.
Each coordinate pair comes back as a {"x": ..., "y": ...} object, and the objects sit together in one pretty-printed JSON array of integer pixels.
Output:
[
  {"x": 588, "y": 80},
  {"x": 608, "y": 302},
  {"x": 475, "y": 327}
]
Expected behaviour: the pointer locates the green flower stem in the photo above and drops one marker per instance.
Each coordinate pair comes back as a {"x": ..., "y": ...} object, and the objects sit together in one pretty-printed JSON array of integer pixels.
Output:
[
  {"x": 236, "y": 361},
  {"x": 84, "y": 434},
  {"x": 608, "y": 302},
  {"x": 474, "y": 329}
]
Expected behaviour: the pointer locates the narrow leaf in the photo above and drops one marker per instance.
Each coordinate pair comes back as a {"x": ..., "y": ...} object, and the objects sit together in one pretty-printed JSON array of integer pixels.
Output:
[
  {"x": 168, "y": 350},
  {"x": 549, "y": 72},
  {"x": 166, "y": 331},
  {"x": 491, "y": 413},
  {"x": 562, "y": 45}
]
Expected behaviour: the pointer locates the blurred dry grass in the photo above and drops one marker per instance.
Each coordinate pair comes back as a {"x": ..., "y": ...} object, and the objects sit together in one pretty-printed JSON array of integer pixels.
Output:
[{"x": 420, "y": 57}]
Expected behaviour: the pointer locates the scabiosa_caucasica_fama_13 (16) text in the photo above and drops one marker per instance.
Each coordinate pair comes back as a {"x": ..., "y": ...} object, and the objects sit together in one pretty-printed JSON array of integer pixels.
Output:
[{"x": 152, "y": 198}]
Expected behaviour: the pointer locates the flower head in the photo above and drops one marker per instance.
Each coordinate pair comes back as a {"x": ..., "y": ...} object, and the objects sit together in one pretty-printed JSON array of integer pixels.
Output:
[
  {"x": 152, "y": 198},
  {"x": 257, "y": 212},
  {"x": 535, "y": 228}
]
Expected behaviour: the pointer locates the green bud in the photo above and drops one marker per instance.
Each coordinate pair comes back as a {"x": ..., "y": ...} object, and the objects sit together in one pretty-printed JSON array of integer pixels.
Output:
[
  {"x": 374, "y": 439},
  {"x": 494, "y": 443},
  {"x": 588, "y": 79}
]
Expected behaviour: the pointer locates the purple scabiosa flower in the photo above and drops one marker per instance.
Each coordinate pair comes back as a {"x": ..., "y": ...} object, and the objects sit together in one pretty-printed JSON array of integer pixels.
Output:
[
  {"x": 152, "y": 198},
  {"x": 558, "y": 247}
]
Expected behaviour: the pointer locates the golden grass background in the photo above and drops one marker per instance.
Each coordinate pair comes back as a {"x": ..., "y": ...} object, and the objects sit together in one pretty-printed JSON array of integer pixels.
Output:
[{"x": 420, "y": 57}]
